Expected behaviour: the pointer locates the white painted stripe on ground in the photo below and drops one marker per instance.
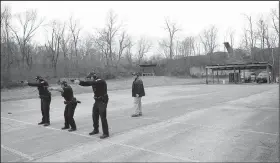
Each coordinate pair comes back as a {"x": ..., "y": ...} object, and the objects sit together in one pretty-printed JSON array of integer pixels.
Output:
[
  {"x": 124, "y": 145},
  {"x": 17, "y": 153},
  {"x": 260, "y": 122},
  {"x": 22, "y": 111},
  {"x": 221, "y": 128}
]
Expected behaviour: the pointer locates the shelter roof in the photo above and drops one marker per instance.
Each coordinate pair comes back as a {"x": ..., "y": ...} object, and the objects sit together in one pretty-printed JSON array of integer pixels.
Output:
[{"x": 241, "y": 66}]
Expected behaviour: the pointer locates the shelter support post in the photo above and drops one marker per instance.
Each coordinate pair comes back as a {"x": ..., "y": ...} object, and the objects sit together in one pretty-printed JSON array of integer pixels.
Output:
[
  {"x": 244, "y": 75},
  {"x": 206, "y": 75},
  {"x": 239, "y": 76},
  {"x": 234, "y": 76},
  {"x": 213, "y": 75},
  {"x": 218, "y": 75},
  {"x": 267, "y": 71}
]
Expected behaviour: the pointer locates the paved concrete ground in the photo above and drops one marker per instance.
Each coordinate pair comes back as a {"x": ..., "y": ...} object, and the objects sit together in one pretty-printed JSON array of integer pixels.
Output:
[{"x": 180, "y": 123}]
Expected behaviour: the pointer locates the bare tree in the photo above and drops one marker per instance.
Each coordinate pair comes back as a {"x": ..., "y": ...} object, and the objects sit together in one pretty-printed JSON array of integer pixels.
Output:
[
  {"x": 111, "y": 30},
  {"x": 270, "y": 39},
  {"x": 229, "y": 37},
  {"x": 197, "y": 46},
  {"x": 251, "y": 35},
  {"x": 172, "y": 28},
  {"x": 261, "y": 31},
  {"x": 244, "y": 43},
  {"x": 128, "y": 53},
  {"x": 88, "y": 45},
  {"x": 143, "y": 47},
  {"x": 275, "y": 20},
  {"x": 124, "y": 42},
  {"x": 6, "y": 41},
  {"x": 106, "y": 38},
  {"x": 101, "y": 43},
  {"x": 75, "y": 33},
  {"x": 187, "y": 46},
  {"x": 53, "y": 45},
  {"x": 164, "y": 48},
  {"x": 209, "y": 40},
  {"x": 64, "y": 44},
  {"x": 29, "y": 24}
]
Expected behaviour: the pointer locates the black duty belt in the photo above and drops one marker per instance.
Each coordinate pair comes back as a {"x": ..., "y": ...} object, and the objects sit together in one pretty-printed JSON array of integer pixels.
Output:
[
  {"x": 44, "y": 96},
  {"x": 100, "y": 97},
  {"x": 73, "y": 101}
]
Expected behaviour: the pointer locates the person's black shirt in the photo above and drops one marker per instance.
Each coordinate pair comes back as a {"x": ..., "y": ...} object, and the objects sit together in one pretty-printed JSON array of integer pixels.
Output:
[
  {"x": 42, "y": 87},
  {"x": 67, "y": 93},
  {"x": 99, "y": 86}
]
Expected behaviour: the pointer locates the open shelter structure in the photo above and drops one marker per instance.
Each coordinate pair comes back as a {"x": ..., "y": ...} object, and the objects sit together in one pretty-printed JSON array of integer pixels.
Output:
[
  {"x": 237, "y": 69},
  {"x": 147, "y": 69}
]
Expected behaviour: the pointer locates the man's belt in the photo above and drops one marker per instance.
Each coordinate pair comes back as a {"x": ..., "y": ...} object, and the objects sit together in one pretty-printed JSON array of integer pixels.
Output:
[
  {"x": 102, "y": 98},
  {"x": 73, "y": 101},
  {"x": 44, "y": 96}
]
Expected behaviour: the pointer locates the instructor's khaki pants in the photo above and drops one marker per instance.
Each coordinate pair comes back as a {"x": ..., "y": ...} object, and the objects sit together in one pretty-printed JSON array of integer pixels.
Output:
[{"x": 137, "y": 105}]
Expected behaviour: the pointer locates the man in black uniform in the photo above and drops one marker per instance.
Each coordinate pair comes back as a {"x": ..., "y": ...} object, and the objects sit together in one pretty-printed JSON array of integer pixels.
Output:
[
  {"x": 99, "y": 87},
  {"x": 70, "y": 102},
  {"x": 45, "y": 96}
]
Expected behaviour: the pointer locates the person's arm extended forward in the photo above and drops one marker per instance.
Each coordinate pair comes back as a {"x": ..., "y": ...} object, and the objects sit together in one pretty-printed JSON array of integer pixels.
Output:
[
  {"x": 37, "y": 84},
  {"x": 87, "y": 83},
  {"x": 56, "y": 89}
]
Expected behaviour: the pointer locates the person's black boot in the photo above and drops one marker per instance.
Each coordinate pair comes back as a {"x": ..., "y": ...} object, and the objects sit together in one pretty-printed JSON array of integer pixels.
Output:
[
  {"x": 46, "y": 124},
  {"x": 41, "y": 123},
  {"x": 135, "y": 115},
  {"x": 104, "y": 136},
  {"x": 72, "y": 129},
  {"x": 94, "y": 132},
  {"x": 64, "y": 128}
]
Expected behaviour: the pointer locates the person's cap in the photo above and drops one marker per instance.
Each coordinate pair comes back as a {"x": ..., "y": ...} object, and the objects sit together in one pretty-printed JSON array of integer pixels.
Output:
[
  {"x": 63, "y": 82},
  {"x": 39, "y": 78},
  {"x": 91, "y": 74},
  {"x": 136, "y": 73}
]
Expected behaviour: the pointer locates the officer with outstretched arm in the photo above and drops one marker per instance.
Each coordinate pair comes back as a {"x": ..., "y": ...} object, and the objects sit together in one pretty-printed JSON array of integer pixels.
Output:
[
  {"x": 99, "y": 87},
  {"x": 70, "y": 105},
  {"x": 45, "y": 96}
]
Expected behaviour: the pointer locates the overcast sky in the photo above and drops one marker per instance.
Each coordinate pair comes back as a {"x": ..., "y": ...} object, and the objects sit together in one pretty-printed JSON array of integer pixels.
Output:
[{"x": 144, "y": 18}]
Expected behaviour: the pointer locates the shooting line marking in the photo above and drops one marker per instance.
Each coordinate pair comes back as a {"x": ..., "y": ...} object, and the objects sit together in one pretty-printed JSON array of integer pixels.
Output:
[
  {"x": 17, "y": 152},
  {"x": 260, "y": 122}
]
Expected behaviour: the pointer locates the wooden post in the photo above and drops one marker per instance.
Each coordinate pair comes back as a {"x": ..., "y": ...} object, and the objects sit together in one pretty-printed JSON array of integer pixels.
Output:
[
  {"x": 267, "y": 71},
  {"x": 213, "y": 74},
  {"x": 206, "y": 75},
  {"x": 234, "y": 75},
  {"x": 239, "y": 77},
  {"x": 218, "y": 76},
  {"x": 244, "y": 75}
]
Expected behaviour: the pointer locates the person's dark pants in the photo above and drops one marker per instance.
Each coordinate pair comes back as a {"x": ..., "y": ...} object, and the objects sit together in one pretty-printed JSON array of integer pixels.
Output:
[
  {"x": 45, "y": 109},
  {"x": 100, "y": 108},
  {"x": 69, "y": 115}
]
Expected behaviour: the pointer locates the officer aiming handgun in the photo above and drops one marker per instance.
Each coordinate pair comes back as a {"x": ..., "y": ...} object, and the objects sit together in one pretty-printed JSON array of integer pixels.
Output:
[
  {"x": 99, "y": 87},
  {"x": 45, "y": 96},
  {"x": 70, "y": 105}
]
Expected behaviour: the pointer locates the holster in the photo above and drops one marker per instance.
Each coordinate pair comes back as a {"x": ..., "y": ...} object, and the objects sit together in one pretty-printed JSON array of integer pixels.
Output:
[{"x": 103, "y": 98}]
